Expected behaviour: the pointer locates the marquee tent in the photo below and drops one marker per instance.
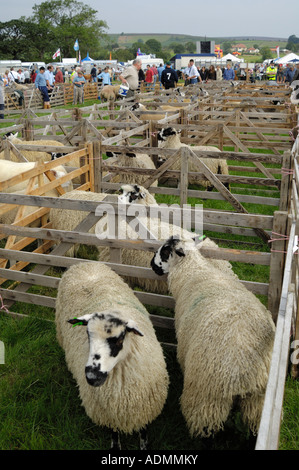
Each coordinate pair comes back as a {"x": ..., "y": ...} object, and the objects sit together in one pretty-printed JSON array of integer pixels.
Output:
[
  {"x": 287, "y": 59},
  {"x": 87, "y": 59}
]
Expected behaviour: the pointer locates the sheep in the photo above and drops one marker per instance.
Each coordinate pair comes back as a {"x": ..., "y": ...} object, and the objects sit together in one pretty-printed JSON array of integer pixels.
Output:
[
  {"x": 295, "y": 93},
  {"x": 224, "y": 339},
  {"x": 151, "y": 115},
  {"x": 160, "y": 229},
  {"x": 169, "y": 138},
  {"x": 117, "y": 361},
  {"x": 63, "y": 219},
  {"x": 31, "y": 156},
  {"x": 9, "y": 169},
  {"x": 135, "y": 160},
  {"x": 109, "y": 93}
]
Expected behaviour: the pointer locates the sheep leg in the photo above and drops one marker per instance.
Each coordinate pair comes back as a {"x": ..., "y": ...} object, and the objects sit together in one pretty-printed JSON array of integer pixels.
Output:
[
  {"x": 143, "y": 439},
  {"x": 251, "y": 409},
  {"x": 115, "y": 441}
]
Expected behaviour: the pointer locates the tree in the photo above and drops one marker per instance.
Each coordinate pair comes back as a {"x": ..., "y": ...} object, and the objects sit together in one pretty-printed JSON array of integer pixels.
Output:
[
  {"x": 190, "y": 47},
  {"x": 266, "y": 53},
  {"x": 177, "y": 47},
  {"x": 293, "y": 43},
  {"x": 226, "y": 47},
  {"x": 154, "y": 46},
  {"x": 69, "y": 20}
]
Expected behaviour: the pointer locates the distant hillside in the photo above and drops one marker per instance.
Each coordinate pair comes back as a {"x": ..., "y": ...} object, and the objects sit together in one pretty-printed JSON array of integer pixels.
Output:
[{"x": 126, "y": 39}]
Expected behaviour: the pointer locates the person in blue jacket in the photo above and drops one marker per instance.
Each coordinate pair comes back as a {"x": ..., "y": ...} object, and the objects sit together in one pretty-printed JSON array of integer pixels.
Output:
[{"x": 229, "y": 73}]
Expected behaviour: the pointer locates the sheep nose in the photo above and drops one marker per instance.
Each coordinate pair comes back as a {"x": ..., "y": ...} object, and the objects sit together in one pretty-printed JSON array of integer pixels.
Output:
[{"x": 94, "y": 377}]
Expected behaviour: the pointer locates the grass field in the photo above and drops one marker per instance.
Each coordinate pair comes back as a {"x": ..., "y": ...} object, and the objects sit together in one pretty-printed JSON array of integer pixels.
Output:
[{"x": 40, "y": 408}]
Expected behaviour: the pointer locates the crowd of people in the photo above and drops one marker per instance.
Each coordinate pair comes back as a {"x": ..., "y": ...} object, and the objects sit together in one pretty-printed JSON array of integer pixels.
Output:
[{"x": 46, "y": 78}]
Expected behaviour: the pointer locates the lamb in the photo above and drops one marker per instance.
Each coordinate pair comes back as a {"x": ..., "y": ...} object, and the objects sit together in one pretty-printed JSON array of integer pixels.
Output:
[
  {"x": 160, "y": 229},
  {"x": 152, "y": 116},
  {"x": 109, "y": 93},
  {"x": 224, "y": 339},
  {"x": 116, "y": 360},
  {"x": 63, "y": 219},
  {"x": 295, "y": 93},
  {"x": 31, "y": 156},
  {"x": 169, "y": 138},
  {"x": 135, "y": 160}
]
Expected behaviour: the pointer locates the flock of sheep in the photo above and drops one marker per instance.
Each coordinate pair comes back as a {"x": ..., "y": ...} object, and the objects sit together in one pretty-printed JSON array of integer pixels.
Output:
[{"x": 224, "y": 334}]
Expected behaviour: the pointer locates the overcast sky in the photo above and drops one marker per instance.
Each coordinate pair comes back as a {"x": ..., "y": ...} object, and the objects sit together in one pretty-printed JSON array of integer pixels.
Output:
[{"x": 271, "y": 18}]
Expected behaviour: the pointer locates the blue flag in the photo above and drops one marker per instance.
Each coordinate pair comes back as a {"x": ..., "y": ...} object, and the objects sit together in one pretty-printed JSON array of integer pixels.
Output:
[{"x": 76, "y": 45}]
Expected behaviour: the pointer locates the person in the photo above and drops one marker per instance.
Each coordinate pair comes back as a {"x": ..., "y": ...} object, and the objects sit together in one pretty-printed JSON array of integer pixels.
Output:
[
  {"x": 33, "y": 75},
  {"x": 58, "y": 76},
  {"x": 105, "y": 77},
  {"x": 155, "y": 72},
  {"x": 21, "y": 76},
  {"x": 1, "y": 98},
  {"x": 93, "y": 73},
  {"x": 160, "y": 70},
  {"x": 5, "y": 78},
  {"x": 289, "y": 74},
  {"x": 129, "y": 77},
  {"x": 169, "y": 77},
  {"x": 229, "y": 73},
  {"x": 27, "y": 76},
  {"x": 141, "y": 77},
  {"x": 149, "y": 77},
  {"x": 279, "y": 74},
  {"x": 203, "y": 73},
  {"x": 296, "y": 74},
  {"x": 191, "y": 73},
  {"x": 271, "y": 72},
  {"x": 41, "y": 84},
  {"x": 211, "y": 73},
  {"x": 50, "y": 79},
  {"x": 218, "y": 73},
  {"x": 13, "y": 76},
  {"x": 79, "y": 82}
]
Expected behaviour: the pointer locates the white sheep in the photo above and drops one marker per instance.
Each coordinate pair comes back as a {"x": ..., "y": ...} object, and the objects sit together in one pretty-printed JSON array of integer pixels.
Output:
[
  {"x": 31, "y": 156},
  {"x": 109, "y": 93},
  {"x": 152, "y": 115},
  {"x": 134, "y": 160},
  {"x": 116, "y": 360},
  {"x": 63, "y": 219},
  {"x": 9, "y": 169},
  {"x": 169, "y": 138},
  {"x": 159, "y": 230},
  {"x": 224, "y": 339}
]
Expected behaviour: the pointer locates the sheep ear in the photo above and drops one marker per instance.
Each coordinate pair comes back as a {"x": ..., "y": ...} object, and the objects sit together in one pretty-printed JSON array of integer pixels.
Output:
[
  {"x": 83, "y": 320},
  {"x": 132, "y": 328},
  {"x": 130, "y": 154}
]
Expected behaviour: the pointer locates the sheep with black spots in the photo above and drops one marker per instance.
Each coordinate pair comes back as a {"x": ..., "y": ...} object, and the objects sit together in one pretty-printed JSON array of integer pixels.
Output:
[
  {"x": 224, "y": 339},
  {"x": 158, "y": 229},
  {"x": 113, "y": 353},
  {"x": 169, "y": 138}
]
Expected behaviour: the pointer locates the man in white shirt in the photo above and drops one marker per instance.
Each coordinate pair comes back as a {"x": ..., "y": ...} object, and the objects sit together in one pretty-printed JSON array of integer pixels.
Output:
[
  {"x": 49, "y": 76},
  {"x": 13, "y": 76},
  {"x": 21, "y": 76},
  {"x": 130, "y": 77},
  {"x": 191, "y": 73}
]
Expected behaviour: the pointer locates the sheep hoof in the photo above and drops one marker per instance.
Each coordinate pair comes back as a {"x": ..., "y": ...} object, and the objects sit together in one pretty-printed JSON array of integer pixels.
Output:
[{"x": 143, "y": 439}]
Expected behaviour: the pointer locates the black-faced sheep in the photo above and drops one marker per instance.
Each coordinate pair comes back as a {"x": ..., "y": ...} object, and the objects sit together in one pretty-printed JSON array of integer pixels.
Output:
[
  {"x": 224, "y": 339},
  {"x": 169, "y": 138},
  {"x": 114, "y": 354}
]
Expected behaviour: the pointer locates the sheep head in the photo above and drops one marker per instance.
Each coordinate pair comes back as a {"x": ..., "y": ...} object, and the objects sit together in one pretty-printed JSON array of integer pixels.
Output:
[
  {"x": 173, "y": 249},
  {"x": 131, "y": 193},
  {"x": 108, "y": 343},
  {"x": 166, "y": 133}
]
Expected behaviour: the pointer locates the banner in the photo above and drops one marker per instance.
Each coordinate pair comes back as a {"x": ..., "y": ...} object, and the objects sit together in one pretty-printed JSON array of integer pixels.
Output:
[
  {"x": 76, "y": 45},
  {"x": 79, "y": 58},
  {"x": 277, "y": 50},
  {"x": 57, "y": 53}
]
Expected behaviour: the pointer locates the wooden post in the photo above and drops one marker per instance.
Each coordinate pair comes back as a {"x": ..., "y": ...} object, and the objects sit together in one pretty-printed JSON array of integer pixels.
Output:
[
  {"x": 184, "y": 176},
  {"x": 278, "y": 249},
  {"x": 153, "y": 140},
  {"x": 28, "y": 133},
  {"x": 97, "y": 166}
]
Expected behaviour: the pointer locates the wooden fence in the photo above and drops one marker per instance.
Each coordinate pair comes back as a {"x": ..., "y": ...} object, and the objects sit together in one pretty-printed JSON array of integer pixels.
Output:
[{"x": 243, "y": 130}]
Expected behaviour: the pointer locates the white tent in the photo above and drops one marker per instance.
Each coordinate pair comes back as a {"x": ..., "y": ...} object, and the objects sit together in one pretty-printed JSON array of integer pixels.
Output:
[
  {"x": 232, "y": 58},
  {"x": 286, "y": 59}
]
